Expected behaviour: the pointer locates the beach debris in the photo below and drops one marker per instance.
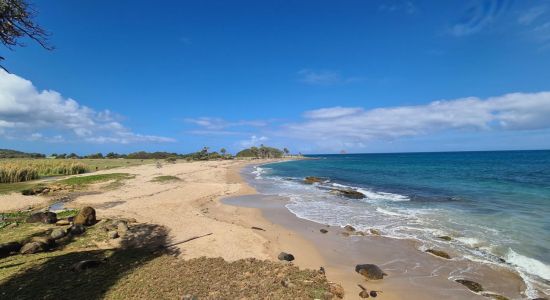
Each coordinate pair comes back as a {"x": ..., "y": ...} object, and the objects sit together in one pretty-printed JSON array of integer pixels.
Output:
[
  {"x": 370, "y": 271},
  {"x": 494, "y": 296},
  {"x": 257, "y": 228},
  {"x": 63, "y": 222},
  {"x": 313, "y": 179},
  {"x": 352, "y": 194},
  {"x": 285, "y": 256},
  {"x": 58, "y": 233},
  {"x": 85, "y": 264},
  {"x": 112, "y": 234},
  {"x": 445, "y": 238},
  {"x": 286, "y": 283},
  {"x": 439, "y": 253},
  {"x": 187, "y": 240},
  {"x": 374, "y": 231},
  {"x": 322, "y": 230},
  {"x": 471, "y": 285},
  {"x": 76, "y": 229},
  {"x": 42, "y": 217},
  {"x": 336, "y": 289},
  {"x": 349, "y": 228},
  {"x": 364, "y": 293},
  {"x": 6, "y": 249},
  {"x": 86, "y": 216},
  {"x": 322, "y": 270}
]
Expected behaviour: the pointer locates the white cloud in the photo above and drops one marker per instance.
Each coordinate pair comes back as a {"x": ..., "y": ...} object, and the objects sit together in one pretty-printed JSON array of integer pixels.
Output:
[
  {"x": 253, "y": 141},
  {"x": 477, "y": 16},
  {"x": 344, "y": 127},
  {"x": 532, "y": 14},
  {"x": 325, "y": 77},
  {"x": 25, "y": 110}
]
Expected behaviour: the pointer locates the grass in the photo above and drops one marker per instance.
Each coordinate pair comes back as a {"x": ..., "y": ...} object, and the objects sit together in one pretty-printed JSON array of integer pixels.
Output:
[
  {"x": 165, "y": 178},
  {"x": 19, "y": 170},
  {"x": 67, "y": 213},
  {"x": 82, "y": 181}
]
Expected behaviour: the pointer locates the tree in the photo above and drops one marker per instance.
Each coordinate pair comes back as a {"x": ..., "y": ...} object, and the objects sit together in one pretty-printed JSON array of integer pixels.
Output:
[
  {"x": 285, "y": 150},
  {"x": 16, "y": 22},
  {"x": 223, "y": 151}
]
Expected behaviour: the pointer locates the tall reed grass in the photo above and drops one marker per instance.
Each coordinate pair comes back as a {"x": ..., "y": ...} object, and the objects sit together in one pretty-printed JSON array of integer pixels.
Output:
[{"x": 19, "y": 170}]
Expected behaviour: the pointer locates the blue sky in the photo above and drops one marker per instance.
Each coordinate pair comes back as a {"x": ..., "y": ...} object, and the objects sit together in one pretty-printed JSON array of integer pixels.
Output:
[{"x": 314, "y": 76}]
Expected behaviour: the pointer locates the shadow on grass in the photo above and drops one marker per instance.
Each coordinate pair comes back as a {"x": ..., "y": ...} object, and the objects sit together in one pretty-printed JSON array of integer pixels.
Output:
[{"x": 53, "y": 278}]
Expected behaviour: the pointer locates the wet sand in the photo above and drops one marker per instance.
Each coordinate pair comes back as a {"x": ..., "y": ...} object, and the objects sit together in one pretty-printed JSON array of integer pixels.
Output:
[{"x": 412, "y": 274}]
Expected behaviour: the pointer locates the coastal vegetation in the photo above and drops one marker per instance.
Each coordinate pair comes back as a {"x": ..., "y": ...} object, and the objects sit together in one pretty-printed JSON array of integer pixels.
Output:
[
  {"x": 261, "y": 152},
  {"x": 165, "y": 178},
  {"x": 19, "y": 170}
]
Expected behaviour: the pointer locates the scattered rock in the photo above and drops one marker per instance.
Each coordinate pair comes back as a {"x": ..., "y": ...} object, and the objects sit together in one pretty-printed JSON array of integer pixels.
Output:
[
  {"x": 286, "y": 283},
  {"x": 85, "y": 264},
  {"x": 8, "y": 248},
  {"x": 375, "y": 231},
  {"x": 439, "y": 253},
  {"x": 86, "y": 216},
  {"x": 112, "y": 234},
  {"x": 58, "y": 233},
  {"x": 285, "y": 256},
  {"x": 322, "y": 230},
  {"x": 257, "y": 228},
  {"x": 47, "y": 241},
  {"x": 337, "y": 290},
  {"x": 364, "y": 294},
  {"x": 349, "y": 228},
  {"x": 373, "y": 294},
  {"x": 471, "y": 285},
  {"x": 370, "y": 271},
  {"x": 76, "y": 229},
  {"x": 31, "y": 248},
  {"x": 313, "y": 179},
  {"x": 494, "y": 296},
  {"x": 63, "y": 222},
  {"x": 445, "y": 238},
  {"x": 42, "y": 217},
  {"x": 352, "y": 194}
]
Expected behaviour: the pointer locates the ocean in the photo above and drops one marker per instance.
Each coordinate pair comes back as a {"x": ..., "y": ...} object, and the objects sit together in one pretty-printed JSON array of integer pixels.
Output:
[{"x": 495, "y": 206}]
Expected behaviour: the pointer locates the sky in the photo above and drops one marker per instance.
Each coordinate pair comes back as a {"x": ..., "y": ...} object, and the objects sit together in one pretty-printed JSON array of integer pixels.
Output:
[{"x": 313, "y": 76}]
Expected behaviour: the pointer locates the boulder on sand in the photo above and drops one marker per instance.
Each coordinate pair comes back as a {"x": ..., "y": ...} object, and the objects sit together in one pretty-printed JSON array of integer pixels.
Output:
[
  {"x": 86, "y": 217},
  {"x": 439, "y": 253},
  {"x": 370, "y": 271},
  {"x": 471, "y": 285},
  {"x": 76, "y": 229},
  {"x": 58, "y": 233},
  {"x": 285, "y": 256},
  {"x": 37, "y": 244},
  {"x": 349, "y": 228},
  {"x": 42, "y": 217},
  {"x": 322, "y": 230}
]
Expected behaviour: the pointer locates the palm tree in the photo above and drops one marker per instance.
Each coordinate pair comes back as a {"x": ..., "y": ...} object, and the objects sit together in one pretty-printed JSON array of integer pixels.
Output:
[
  {"x": 223, "y": 151},
  {"x": 285, "y": 150}
]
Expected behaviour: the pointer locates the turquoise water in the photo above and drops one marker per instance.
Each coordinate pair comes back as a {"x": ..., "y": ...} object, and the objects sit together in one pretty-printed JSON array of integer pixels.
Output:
[{"x": 495, "y": 205}]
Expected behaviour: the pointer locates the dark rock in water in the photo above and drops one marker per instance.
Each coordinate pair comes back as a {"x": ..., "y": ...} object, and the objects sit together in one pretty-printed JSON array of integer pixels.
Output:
[
  {"x": 370, "y": 271},
  {"x": 86, "y": 216},
  {"x": 42, "y": 217},
  {"x": 494, "y": 296},
  {"x": 313, "y": 179},
  {"x": 445, "y": 238},
  {"x": 85, "y": 264},
  {"x": 8, "y": 248},
  {"x": 58, "y": 233},
  {"x": 285, "y": 256},
  {"x": 322, "y": 230},
  {"x": 352, "y": 194},
  {"x": 439, "y": 253},
  {"x": 76, "y": 229},
  {"x": 31, "y": 248},
  {"x": 471, "y": 285},
  {"x": 349, "y": 228}
]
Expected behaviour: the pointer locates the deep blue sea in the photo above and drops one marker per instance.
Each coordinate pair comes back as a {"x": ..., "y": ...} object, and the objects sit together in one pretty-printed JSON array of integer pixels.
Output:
[{"x": 494, "y": 205}]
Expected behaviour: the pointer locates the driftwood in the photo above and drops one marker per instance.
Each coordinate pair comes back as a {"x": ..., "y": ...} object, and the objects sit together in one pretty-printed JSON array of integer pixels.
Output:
[
  {"x": 257, "y": 228},
  {"x": 187, "y": 240}
]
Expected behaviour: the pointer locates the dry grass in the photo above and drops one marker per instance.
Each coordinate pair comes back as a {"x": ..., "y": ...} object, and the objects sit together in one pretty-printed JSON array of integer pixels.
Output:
[{"x": 19, "y": 170}]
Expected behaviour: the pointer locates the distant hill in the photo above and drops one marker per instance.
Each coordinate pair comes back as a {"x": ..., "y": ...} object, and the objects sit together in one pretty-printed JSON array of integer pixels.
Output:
[
  {"x": 261, "y": 152},
  {"x": 7, "y": 153}
]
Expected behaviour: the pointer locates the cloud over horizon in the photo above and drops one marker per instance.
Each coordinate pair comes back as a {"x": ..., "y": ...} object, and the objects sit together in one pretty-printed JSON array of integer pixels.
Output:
[
  {"x": 355, "y": 127},
  {"x": 28, "y": 114}
]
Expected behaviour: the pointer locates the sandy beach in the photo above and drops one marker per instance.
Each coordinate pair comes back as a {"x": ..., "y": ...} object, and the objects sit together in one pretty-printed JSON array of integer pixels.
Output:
[{"x": 193, "y": 206}]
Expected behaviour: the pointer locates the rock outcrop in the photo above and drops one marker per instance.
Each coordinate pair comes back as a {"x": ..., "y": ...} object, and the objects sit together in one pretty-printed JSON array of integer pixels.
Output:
[
  {"x": 370, "y": 271},
  {"x": 86, "y": 217}
]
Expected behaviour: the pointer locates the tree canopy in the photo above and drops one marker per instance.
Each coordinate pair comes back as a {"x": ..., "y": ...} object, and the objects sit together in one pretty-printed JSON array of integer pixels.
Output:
[{"x": 261, "y": 152}]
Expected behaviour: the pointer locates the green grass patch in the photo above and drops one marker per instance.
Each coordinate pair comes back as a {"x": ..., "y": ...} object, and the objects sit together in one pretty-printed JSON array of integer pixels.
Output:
[
  {"x": 91, "y": 179},
  {"x": 6, "y": 188},
  {"x": 165, "y": 178},
  {"x": 67, "y": 213}
]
